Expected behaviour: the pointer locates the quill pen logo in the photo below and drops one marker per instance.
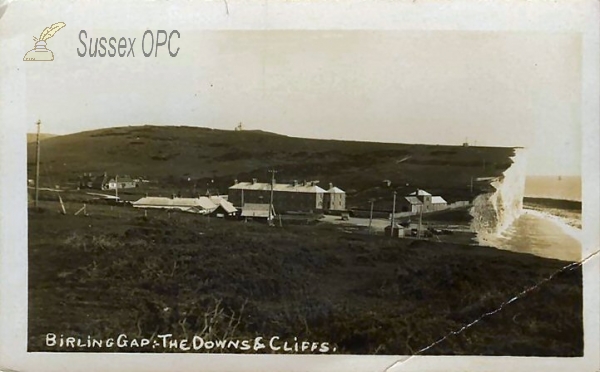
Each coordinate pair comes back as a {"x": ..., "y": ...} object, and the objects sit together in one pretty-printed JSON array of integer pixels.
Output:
[{"x": 40, "y": 52}]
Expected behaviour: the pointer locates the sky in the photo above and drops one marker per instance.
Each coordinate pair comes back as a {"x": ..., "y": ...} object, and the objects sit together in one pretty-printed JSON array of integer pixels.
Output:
[{"x": 438, "y": 87}]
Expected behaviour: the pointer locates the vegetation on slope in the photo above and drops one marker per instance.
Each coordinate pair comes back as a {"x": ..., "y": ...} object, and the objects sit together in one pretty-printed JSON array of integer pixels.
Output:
[
  {"x": 32, "y": 137},
  {"x": 179, "y": 158},
  {"x": 117, "y": 271}
]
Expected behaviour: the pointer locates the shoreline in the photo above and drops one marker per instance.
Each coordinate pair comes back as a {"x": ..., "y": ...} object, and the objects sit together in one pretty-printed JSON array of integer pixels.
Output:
[
  {"x": 565, "y": 224},
  {"x": 560, "y": 203},
  {"x": 572, "y": 231}
]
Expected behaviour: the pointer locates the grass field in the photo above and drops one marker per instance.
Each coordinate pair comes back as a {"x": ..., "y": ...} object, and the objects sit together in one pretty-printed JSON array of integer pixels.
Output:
[{"x": 116, "y": 271}]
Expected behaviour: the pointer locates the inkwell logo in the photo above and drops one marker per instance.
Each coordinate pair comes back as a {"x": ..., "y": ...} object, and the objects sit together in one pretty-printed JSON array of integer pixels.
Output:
[{"x": 40, "y": 52}]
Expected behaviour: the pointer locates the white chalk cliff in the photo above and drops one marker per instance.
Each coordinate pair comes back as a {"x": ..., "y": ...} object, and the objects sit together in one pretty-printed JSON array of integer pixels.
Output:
[{"x": 494, "y": 212}]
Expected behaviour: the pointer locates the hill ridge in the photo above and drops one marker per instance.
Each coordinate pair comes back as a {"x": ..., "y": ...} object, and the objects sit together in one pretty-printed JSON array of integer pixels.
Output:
[{"x": 186, "y": 158}]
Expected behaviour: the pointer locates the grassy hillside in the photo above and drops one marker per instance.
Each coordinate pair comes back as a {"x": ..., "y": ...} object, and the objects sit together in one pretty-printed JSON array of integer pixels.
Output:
[
  {"x": 117, "y": 271},
  {"x": 32, "y": 137},
  {"x": 171, "y": 155}
]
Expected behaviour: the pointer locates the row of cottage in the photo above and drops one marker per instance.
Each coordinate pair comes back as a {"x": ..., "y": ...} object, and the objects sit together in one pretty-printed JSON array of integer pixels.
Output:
[
  {"x": 206, "y": 205},
  {"x": 254, "y": 200},
  {"x": 308, "y": 196},
  {"x": 305, "y": 196}
]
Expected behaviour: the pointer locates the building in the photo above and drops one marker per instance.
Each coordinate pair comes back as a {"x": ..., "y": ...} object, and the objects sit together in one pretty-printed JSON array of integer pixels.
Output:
[
  {"x": 120, "y": 182},
  {"x": 421, "y": 200},
  {"x": 398, "y": 231},
  {"x": 215, "y": 205},
  {"x": 334, "y": 199},
  {"x": 287, "y": 197},
  {"x": 224, "y": 208},
  {"x": 410, "y": 204},
  {"x": 424, "y": 197},
  {"x": 255, "y": 210},
  {"x": 438, "y": 203},
  {"x": 201, "y": 205},
  {"x": 104, "y": 182}
]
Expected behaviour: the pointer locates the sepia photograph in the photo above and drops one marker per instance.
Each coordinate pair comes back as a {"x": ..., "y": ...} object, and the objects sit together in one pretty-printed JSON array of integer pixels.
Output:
[
  {"x": 350, "y": 192},
  {"x": 328, "y": 191}
]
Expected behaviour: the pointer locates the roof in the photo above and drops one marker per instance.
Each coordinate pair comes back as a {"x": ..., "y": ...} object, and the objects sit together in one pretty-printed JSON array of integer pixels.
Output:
[
  {"x": 413, "y": 200},
  {"x": 256, "y": 210},
  {"x": 335, "y": 190},
  {"x": 420, "y": 192},
  {"x": 286, "y": 187},
  {"x": 221, "y": 201},
  {"x": 227, "y": 206},
  {"x": 438, "y": 200},
  {"x": 206, "y": 203},
  {"x": 164, "y": 202}
]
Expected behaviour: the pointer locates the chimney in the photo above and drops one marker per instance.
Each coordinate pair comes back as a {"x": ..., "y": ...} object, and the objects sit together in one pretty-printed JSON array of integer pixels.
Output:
[
  {"x": 254, "y": 180},
  {"x": 172, "y": 196},
  {"x": 330, "y": 185},
  {"x": 235, "y": 182},
  {"x": 295, "y": 183},
  {"x": 303, "y": 182}
]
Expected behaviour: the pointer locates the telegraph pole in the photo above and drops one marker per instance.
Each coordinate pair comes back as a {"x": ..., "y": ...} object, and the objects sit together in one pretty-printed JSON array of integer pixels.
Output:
[
  {"x": 272, "y": 171},
  {"x": 37, "y": 164},
  {"x": 420, "y": 221},
  {"x": 371, "y": 215},
  {"x": 117, "y": 187},
  {"x": 393, "y": 214}
]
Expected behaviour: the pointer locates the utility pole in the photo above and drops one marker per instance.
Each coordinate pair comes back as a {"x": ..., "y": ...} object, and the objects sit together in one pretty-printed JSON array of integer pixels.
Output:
[
  {"x": 371, "y": 216},
  {"x": 117, "y": 187},
  {"x": 393, "y": 214},
  {"x": 471, "y": 184},
  {"x": 37, "y": 164},
  {"x": 420, "y": 221},
  {"x": 272, "y": 171}
]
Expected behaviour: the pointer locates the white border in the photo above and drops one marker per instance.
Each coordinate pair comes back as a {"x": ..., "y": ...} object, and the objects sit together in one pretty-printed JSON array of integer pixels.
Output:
[{"x": 513, "y": 15}]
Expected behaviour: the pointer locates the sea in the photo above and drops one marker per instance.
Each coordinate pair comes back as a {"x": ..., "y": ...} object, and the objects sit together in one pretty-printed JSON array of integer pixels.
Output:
[
  {"x": 553, "y": 187},
  {"x": 544, "y": 232}
]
